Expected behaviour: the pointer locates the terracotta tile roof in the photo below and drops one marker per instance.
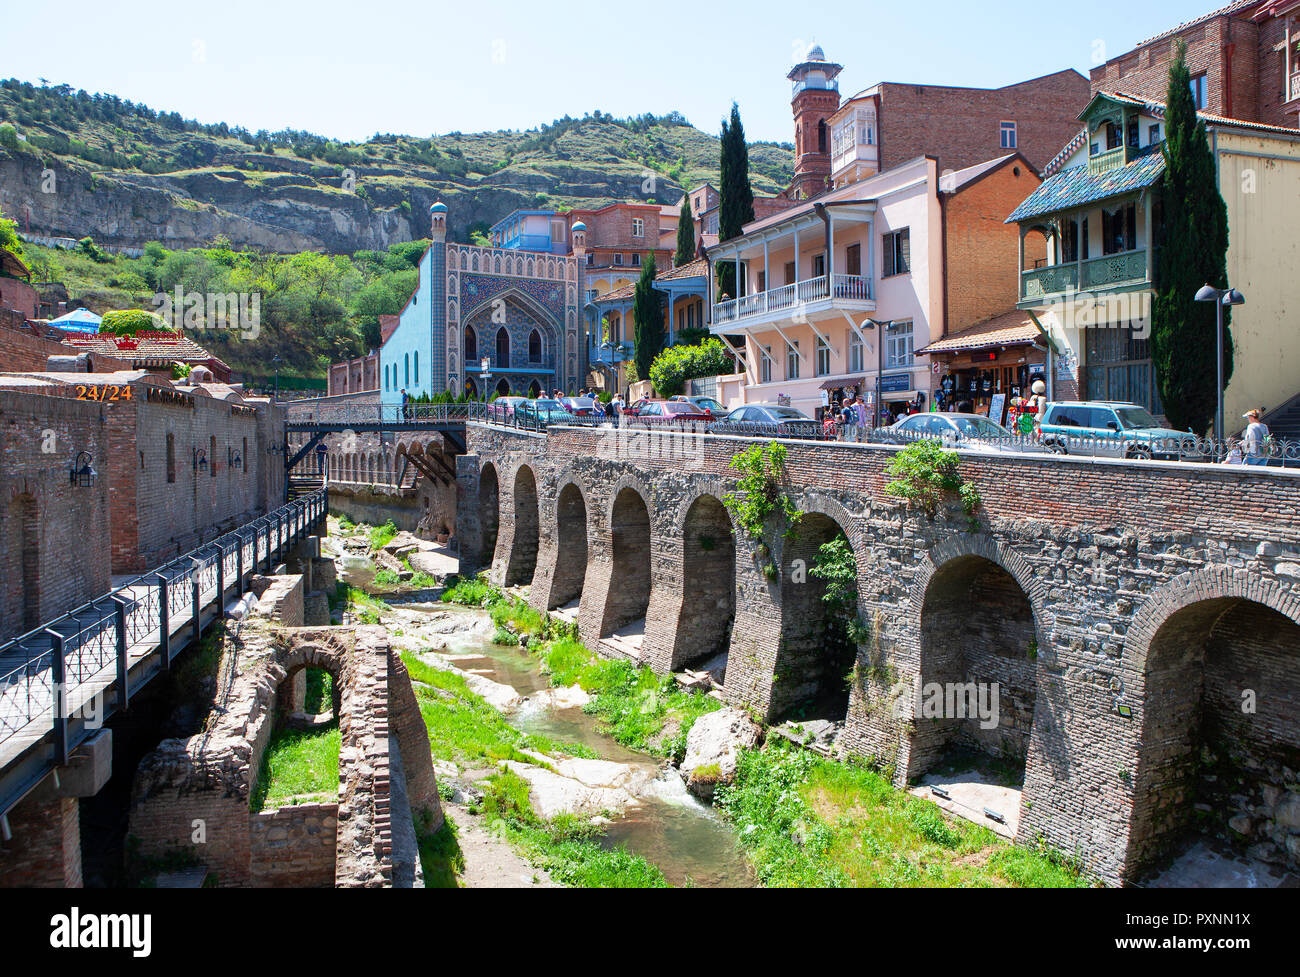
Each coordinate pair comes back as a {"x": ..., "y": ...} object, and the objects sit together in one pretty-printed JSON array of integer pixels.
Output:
[
  {"x": 698, "y": 268},
  {"x": 1012, "y": 328},
  {"x": 142, "y": 346}
]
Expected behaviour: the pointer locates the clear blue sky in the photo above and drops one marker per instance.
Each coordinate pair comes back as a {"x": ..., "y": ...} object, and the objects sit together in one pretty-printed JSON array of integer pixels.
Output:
[{"x": 348, "y": 70}]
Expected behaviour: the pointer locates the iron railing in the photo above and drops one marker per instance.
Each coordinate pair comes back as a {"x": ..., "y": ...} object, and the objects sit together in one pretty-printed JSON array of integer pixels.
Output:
[{"x": 92, "y": 639}]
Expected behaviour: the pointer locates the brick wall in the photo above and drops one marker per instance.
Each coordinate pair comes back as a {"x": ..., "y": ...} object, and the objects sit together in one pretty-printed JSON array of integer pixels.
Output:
[
  {"x": 293, "y": 847},
  {"x": 982, "y": 250},
  {"x": 45, "y": 850},
  {"x": 1244, "y": 75},
  {"x": 54, "y": 536},
  {"x": 17, "y": 295},
  {"x": 961, "y": 125},
  {"x": 23, "y": 351}
]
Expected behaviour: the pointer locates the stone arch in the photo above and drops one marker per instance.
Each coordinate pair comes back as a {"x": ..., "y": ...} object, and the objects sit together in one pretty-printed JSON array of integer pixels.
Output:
[
  {"x": 503, "y": 387},
  {"x": 976, "y": 612},
  {"x": 571, "y": 544},
  {"x": 534, "y": 390},
  {"x": 631, "y": 574},
  {"x": 708, "y": 583},
  {"x": 502, "y": 361},
  {"x": 291, "y": 685},
  {"x": 521, "y": 563},
  {"x": 1218, "y": 651},
  {"x": 489, "y": 510},
  {"x": 816, "y": 654}
]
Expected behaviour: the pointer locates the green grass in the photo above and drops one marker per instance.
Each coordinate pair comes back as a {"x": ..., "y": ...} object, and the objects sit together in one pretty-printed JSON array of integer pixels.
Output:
[
  {"x": 297, "y": 763},
  {"x": 385, "y": 577},
  {"x": 367, "y": 609},
  {"x": 807, "y": 821},
  {"x": 320, "y": 692},
  {"x": 381, "y": 536},
  {"x": 470, "y": 592},
  {"x": 440, "y": 856},
  {"x": 562, "y": 846}
]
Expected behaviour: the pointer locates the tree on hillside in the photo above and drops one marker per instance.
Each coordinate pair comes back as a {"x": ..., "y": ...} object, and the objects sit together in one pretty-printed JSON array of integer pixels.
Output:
[
  {"x": 736, "y": 196},
  {"x": 647, "y": 318},
  {"x": 1195, "y": 249},
  {"x": 685, "y": 234},
  {"x": 9, "y": 240}
]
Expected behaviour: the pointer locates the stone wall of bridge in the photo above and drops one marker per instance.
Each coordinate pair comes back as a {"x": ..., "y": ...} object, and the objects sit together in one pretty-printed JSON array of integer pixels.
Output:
[{"x": 1124, "y": 609}]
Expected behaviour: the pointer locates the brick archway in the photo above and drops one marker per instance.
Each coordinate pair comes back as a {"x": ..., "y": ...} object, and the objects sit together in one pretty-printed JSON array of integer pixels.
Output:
[
  {"x": 708, "y": 578},
  {"x": 521, "y": 558},
  {"x": 630, "y": 550},
  {"x": 1218, "y": 654},
  {"x": 489, "y": 513},
  {"x": 572, "y": 549}
]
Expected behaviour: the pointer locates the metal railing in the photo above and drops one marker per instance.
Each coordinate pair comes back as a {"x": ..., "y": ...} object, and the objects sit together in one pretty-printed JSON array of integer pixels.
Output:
[
  {"x": 85, "y": 643},
  {"x": 846, "y": 287}
]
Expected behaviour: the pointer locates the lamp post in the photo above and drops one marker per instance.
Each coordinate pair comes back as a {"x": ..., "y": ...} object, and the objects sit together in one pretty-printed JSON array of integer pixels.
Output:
[
  {"x": 485, "y": 365},
  {"x": 1220, "y": 297},
  {"x": 880, "y": 328},
  {"x": 276, "y": 361}
]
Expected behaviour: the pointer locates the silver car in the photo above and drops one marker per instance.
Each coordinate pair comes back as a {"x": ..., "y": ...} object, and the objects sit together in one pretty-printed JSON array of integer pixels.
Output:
[{"x": 972, "y": 432}]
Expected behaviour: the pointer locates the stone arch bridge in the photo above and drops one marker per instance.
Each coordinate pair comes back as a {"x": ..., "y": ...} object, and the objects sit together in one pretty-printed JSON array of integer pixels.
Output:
[{"x": 1141, "y": 621}]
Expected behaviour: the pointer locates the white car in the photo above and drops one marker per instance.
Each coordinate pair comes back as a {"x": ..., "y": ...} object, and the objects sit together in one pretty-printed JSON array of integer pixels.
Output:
[{"x": 971, "y": 432}]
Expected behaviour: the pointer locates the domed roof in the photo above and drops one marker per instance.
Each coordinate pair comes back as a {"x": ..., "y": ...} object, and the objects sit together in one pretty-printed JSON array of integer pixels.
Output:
[
  {"x": 815, "y": 53},
  {"x": 579, "y": 226},
  {"x": 438, "y": 208}
]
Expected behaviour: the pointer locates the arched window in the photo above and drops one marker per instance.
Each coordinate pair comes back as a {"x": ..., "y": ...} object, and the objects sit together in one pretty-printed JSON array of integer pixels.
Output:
[
  {"x": 503, "y": 349},
  {"x": 417, "y": 367},
  {"x": 503, "y": 388},
  {"x": 406, "y": 369},
  {"x": 534, "y": 347},
  {"x": 471, "y": 345},
  {"x": 821, "y": 136}
]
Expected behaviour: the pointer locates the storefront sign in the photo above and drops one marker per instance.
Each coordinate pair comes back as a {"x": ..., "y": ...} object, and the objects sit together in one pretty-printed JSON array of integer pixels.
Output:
[{"x": 895, "y": 383}]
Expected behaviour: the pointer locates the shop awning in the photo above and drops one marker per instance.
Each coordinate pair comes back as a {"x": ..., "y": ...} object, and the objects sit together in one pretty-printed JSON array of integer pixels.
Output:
[
  {"x": 843, "y": 382},
  {"x": 1013, "y": 328}
]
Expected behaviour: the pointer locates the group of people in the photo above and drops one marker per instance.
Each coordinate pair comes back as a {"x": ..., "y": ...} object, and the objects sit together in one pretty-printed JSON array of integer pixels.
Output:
[{"x": 1252, "y": 448}]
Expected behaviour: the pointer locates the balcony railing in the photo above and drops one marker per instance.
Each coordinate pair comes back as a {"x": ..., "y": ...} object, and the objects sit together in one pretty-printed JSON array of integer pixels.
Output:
[
  {"x": 1293, "y": 87},
  {"x": 848, "y": 288},
  {"x": 1112, "y": 159},
  {"x": 1126, "y": 268}
]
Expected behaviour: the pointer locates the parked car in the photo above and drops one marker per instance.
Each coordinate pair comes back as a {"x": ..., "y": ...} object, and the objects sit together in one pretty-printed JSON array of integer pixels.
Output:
[
  {"x": 707, "y": 404},
  {"x": 1109, "y": 429},
  {"x": 541, "y": 412},
  {"x": 973, "y": 432},
  {"x": 581, "y": 406},
  {"x": 503, "y": 409},
  {"x": 776, "y": 420},
  {"x": 667, "y": 412}
]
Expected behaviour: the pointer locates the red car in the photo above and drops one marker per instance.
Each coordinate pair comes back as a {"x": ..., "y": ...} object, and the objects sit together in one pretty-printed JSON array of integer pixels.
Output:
[{"x": 667, "y": 412}]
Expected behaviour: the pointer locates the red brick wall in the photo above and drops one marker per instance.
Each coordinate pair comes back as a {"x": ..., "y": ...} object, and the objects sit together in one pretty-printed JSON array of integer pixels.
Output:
[
  {"x": 1231, "y": 51},
  {"x": 45, "y": 851},
  {"x": 612, "y": 227},
  {"x": 961, "y": 125},
  {"x": 811, "y": 167},
  {"x": 982, "y": 251},
  {"x": 22, "y": 351},
  {"x": 18, "y": 295}
]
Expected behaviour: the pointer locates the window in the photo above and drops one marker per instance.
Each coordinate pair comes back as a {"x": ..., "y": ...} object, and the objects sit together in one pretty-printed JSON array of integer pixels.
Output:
[
  {"x": 1073, "y": 235},
  {"x": 819, "y": 265},
  {"x": 1007, "y": 132},
  {"x": 416, "y": 357},
  {"x": 897, "y": 253},
  {"x": 1119, "y": 368},
  {"x": 1153, "y": 133},
  {"x": 171, "y": 457},
  {"x": 1198, "y": 90},
  {"x": 868, "y": 131},
  {"x": 764, "y": 367},
  {"x": 762, "y": 281},
  {"x": 789, "y": 272},
  {"x": 534, "y": 347},
  {"x": 503, "y": 349},
  {"x": 898, "y": 344},
  {"x": 1119, "y": 229},
  {"x": 618, "y": 259},
  {"x": 591, "y": 259},
  {"x": 821, "y": 136},
  {"x": 636, "y": 260},
  {"x": 557, "y": 232},
  {"x": 1133, "y": 133},
  {"x": 855, "y": 352},
  {"x": 1114, "y": 138},
  {"x": 638, "y": 227},
  {"x": 853, "y": 259},
  {"x": 792, "y": 360},
  {"x": 406, "y": 369},
  {"x": 823, "y": 358},
  {"x": 471, "y": 344}
]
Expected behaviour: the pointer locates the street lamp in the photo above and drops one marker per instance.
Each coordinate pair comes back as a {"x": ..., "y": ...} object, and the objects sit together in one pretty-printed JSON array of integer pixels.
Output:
[
  {"x": 276, "y": 361},
  {"x": 484, "y": 366},
  {"x": 880, "y": 328},
  {"x": 1220, "y": 297}
]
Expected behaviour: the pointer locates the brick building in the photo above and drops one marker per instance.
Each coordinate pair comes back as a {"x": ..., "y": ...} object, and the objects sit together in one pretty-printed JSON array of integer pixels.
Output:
[
  {"x": 890, "y": 123},
  {"x": 1244, "y": 59}
]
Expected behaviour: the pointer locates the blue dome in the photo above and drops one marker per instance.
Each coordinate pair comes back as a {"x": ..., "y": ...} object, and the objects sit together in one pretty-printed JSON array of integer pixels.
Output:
[
  {"x": 815, "y": 53},
  {"x": 438, "y": 208},
  {"x": 579, "y": 226}
]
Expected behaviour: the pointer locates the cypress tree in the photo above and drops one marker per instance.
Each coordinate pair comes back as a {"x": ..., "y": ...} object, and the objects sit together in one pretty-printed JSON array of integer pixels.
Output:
[
  {"x": 1194, "y": 253},
  {"x": 685, "y": 234},
  {"x": 736, "y": 196},
  {"x": 647, "y": 319}
]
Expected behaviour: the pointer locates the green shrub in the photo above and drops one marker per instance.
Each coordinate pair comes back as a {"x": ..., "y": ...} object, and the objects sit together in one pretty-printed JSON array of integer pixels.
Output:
[
  {"x": 381, "y": 536},
  {"x": 676, "y": 365},
  {"x": 128, "y": 322}
]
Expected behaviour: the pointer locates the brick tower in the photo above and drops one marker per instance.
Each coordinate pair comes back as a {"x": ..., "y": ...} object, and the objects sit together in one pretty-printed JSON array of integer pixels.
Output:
[{"x": 816, "y": 98}]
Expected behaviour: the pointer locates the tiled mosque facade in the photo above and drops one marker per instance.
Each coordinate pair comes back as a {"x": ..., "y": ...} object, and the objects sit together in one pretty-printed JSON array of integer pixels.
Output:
[{"x": 519, "y": 310}]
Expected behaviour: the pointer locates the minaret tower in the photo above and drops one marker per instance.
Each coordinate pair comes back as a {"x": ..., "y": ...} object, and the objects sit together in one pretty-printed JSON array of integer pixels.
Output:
[{"x": 816, "y": 98}]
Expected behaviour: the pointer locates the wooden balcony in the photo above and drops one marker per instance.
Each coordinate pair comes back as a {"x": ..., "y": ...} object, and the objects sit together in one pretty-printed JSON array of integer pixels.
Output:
[{"x": 1122, "y": 272}]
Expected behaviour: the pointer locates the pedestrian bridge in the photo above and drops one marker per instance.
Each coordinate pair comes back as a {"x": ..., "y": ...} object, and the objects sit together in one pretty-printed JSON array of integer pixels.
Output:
[
  {"x": 62, "y": 680},
  {"x": 1123, "y": 610}
]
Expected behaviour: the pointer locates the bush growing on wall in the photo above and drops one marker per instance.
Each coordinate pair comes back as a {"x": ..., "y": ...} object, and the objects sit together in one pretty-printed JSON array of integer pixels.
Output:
[
  {"x": 128, "y": 322},
  {"x": 677, "y": 365}
]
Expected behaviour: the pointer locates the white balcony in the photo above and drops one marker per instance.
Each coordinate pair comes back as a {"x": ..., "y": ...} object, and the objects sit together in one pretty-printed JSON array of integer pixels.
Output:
[
  {"x": 1293, "y": 87},
  {"x": 809, "y": 297}
]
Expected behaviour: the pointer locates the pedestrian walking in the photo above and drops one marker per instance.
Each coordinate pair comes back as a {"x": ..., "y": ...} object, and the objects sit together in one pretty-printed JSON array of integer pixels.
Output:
[
  {"x": 405, "y": 400},
  {"x": 1255, "y": 441}
]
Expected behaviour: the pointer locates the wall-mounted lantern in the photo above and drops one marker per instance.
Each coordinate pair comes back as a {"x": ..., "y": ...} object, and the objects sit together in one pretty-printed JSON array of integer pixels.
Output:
[
  {"x": 200, "y": 460},
  {"x": 83, "y": 473},
  {"x": 233, "y": 459}
]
